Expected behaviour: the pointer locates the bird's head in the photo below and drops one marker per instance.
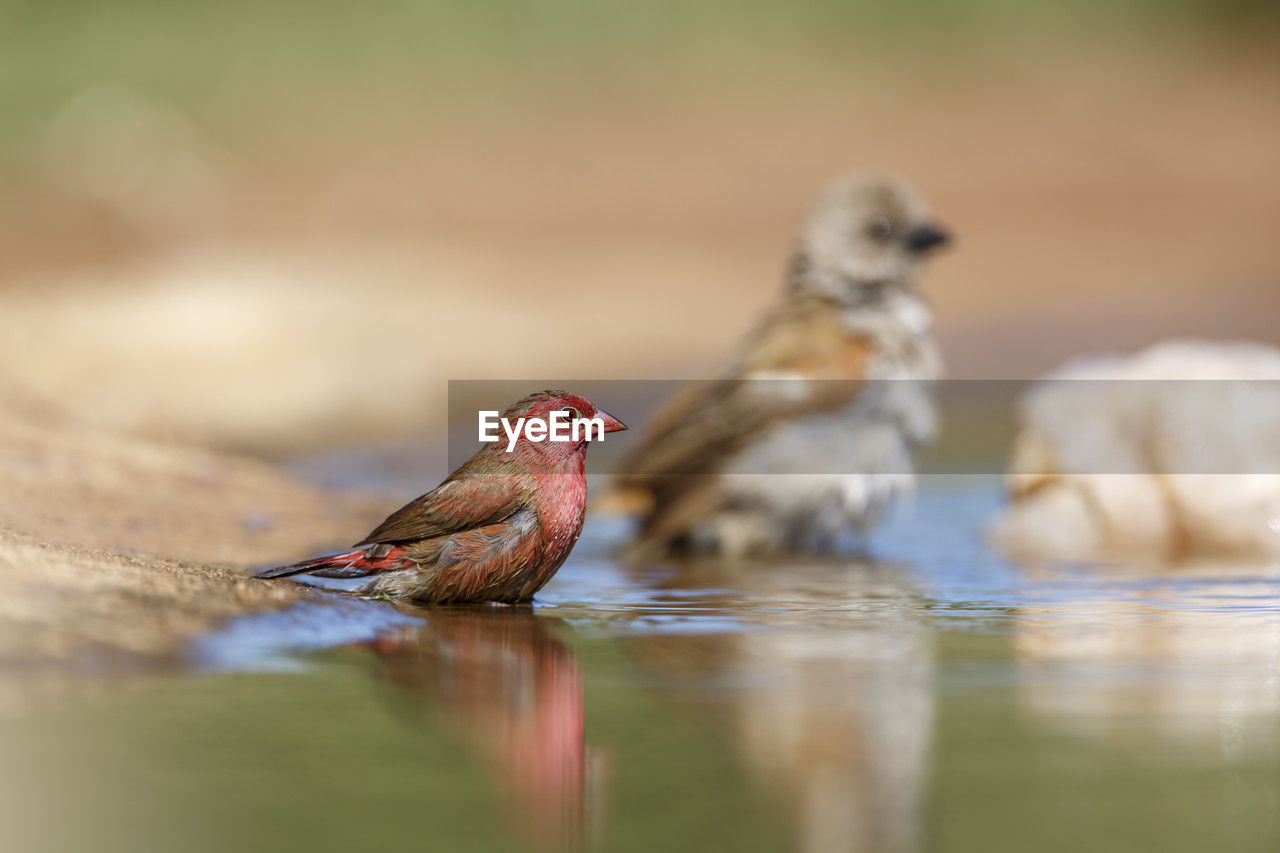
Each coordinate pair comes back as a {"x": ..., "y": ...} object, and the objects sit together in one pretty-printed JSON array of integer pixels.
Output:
[
  {"x": 559, "y": 410},
  {"x": 865, "y": 233}
]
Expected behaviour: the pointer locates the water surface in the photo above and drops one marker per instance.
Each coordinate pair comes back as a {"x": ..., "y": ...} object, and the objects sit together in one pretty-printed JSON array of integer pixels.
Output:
[{"x": 932, "y": 698}]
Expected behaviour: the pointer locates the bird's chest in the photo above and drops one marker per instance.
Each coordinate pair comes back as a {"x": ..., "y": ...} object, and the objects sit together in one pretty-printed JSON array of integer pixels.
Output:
[
  {"x": 561, "y": 514},
  {"x": 901, "y": 330}
]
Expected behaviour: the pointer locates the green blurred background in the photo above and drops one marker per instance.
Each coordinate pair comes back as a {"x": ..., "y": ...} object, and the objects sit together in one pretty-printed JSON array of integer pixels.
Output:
[{"x": 249, "y": 224}]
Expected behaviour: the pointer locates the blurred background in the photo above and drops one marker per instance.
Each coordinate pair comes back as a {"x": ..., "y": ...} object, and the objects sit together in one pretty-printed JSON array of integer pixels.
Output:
[{"x": 281, "y": 227}]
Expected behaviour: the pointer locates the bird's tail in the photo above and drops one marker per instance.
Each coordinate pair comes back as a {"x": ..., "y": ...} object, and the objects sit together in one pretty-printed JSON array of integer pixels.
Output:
[{"x": 368, "y": 560}]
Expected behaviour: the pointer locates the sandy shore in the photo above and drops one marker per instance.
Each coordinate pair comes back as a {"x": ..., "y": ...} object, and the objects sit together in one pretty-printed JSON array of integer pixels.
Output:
[{"x": 116, "y": 549}]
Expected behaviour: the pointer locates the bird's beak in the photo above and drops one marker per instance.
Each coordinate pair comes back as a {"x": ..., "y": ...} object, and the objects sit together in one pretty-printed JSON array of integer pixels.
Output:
[
  {"x": 611, "y": 424},
  {"x": 926, "y": 237}
]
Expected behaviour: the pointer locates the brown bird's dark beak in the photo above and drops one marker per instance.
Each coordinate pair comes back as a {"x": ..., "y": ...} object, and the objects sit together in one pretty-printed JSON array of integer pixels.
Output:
[
  {"x": 926, "y": 237},
  {"x": 611, "y": 424}
]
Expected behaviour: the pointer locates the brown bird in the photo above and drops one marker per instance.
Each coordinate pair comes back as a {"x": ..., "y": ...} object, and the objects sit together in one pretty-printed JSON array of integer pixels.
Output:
[
  {"x": 496, "y": 530},
  {"x": 796, "y": 448}
]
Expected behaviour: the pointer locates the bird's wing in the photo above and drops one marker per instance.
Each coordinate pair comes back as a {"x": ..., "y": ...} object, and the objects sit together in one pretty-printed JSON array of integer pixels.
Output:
[
  {"x": 802, "y": 360},
  {"x": 460, "y": 503}
]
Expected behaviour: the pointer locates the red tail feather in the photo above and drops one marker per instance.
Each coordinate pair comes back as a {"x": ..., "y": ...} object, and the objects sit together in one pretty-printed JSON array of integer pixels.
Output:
[{"x": 351, "y": 564}]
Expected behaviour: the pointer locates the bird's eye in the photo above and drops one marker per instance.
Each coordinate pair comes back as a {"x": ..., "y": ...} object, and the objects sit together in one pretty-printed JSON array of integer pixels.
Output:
[
  {"x": 880, "y": 228},
  {"x": 573, "y": 413}
]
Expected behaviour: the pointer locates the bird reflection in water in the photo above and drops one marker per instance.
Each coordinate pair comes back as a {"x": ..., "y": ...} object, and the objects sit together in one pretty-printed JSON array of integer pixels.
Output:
[
  {"x": 501, "y": 679},
  {"x": 823, "y": 685},
  {"x": 1192, "y": 649}
]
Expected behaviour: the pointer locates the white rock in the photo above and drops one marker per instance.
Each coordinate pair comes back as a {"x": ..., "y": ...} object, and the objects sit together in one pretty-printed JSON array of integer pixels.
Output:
[{"x": 1168, "y": 453}]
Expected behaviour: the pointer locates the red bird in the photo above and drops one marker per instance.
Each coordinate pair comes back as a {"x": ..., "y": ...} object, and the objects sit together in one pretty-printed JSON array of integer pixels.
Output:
[{"x": 496, "y": 530}]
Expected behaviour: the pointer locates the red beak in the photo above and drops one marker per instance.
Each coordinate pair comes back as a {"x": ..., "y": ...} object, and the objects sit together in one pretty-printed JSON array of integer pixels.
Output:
[{"x": 611, "y": 424}]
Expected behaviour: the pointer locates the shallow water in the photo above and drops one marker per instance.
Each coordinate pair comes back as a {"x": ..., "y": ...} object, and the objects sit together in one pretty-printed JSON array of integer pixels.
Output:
[{"x": 935, "y": 698}]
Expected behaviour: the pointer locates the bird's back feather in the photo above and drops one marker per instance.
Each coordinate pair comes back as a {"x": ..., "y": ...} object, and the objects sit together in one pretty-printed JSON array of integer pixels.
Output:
[{"x": 463, "y": 502}]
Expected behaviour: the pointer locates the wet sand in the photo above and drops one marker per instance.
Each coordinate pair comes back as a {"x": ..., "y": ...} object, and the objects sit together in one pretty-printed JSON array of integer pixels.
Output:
[{"x": 115, "y": 549}]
